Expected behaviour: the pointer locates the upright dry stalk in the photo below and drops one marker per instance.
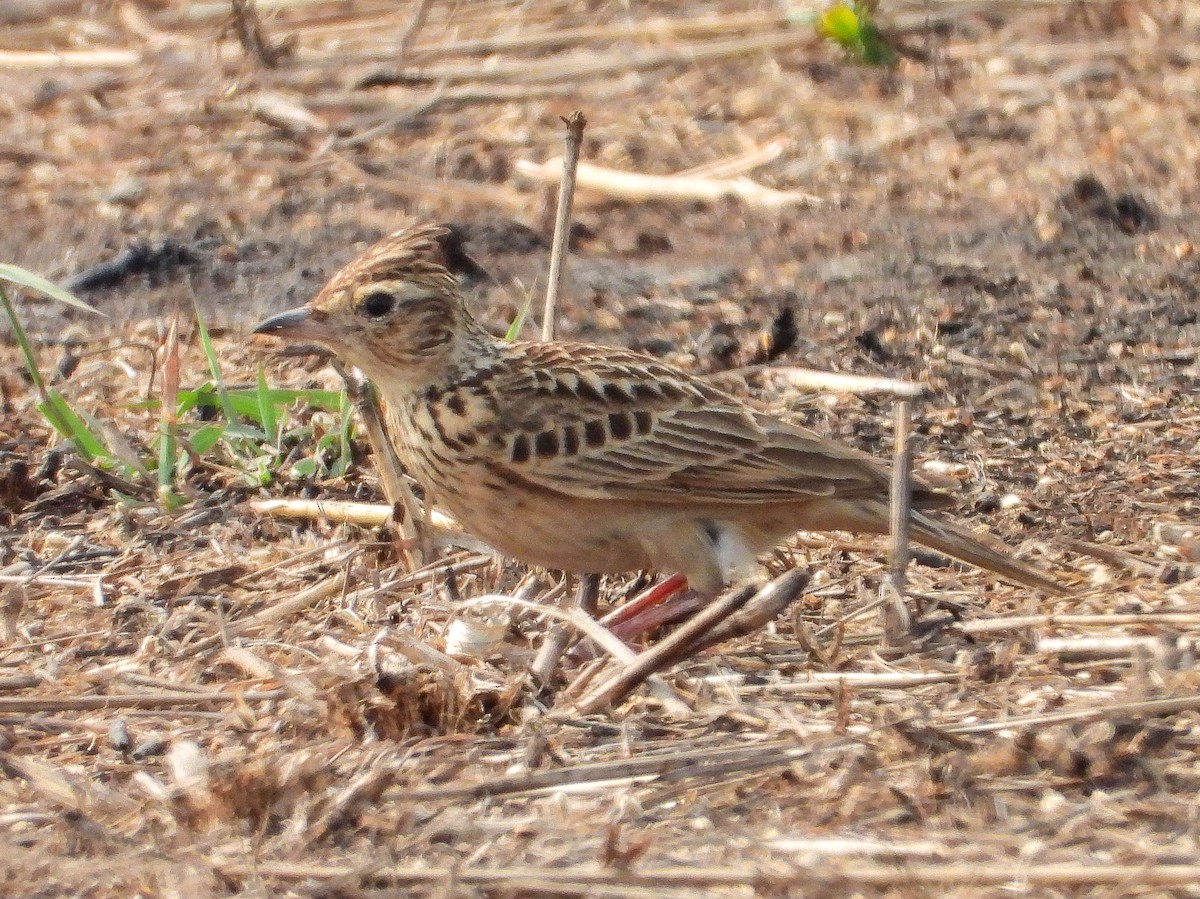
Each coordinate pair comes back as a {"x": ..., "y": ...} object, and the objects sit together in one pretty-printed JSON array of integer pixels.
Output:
[
  {"x": 896, "y": 612},
  {"x": 901, "y": 492},
  {"x": 414, "y": 528},
  {"x": 575, "y": 122}
]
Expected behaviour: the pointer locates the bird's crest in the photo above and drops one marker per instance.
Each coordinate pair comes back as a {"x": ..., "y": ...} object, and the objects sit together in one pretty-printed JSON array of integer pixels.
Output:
[{"x": 417, "y": 253}]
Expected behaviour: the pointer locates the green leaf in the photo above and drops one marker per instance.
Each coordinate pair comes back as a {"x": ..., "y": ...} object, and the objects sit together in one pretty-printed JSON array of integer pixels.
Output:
[
  {"x": 849, "y": 25},
  {"x": 167, "y": 449},
  {"x": 305, "y": 468},
  {"x": 171, "y": 500},
  {"x": 205, "y": 438},
  {"x": 517, "y": 323},
  {"x": 237, "y": 431},
  {"x": 17, "y": 275}
]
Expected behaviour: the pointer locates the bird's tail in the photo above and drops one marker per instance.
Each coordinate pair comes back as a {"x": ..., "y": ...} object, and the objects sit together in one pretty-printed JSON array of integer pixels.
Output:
[
  {"x": 955, "y": 540},
  {"x": 871, "y": 516}
]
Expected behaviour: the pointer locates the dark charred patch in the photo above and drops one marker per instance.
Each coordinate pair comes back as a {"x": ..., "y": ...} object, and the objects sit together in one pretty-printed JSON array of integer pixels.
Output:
[{"x": 158, "y": 261}]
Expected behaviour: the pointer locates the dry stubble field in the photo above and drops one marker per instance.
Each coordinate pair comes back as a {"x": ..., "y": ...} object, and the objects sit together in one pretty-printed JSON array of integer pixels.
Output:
[{"x": 211, "y": 701}]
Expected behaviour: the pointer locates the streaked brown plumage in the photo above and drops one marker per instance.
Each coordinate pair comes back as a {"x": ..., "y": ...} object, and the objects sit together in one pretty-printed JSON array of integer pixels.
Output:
[{"x": 588, "y": 458}]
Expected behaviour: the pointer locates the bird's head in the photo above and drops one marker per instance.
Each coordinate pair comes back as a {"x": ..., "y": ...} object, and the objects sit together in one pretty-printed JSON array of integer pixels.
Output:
[{"x": 397, "y": 311}]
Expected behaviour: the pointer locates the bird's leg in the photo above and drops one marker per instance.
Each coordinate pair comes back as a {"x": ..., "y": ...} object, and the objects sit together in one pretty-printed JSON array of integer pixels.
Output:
[
  {"x": 642, "y": 613},
  {"x": 648, "y": 598},
  {"x": 660, "y": 604}
]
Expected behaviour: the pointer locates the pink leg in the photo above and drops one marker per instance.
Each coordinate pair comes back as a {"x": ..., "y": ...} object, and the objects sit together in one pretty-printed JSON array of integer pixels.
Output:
[
  {"x": 647, "y": 599},
  {"x": 655, "y": 606},
  {"x": 661, "y": 604}
]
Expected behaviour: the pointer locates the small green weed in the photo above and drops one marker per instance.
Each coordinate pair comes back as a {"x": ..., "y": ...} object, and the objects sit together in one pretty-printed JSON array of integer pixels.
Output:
[
  {"x": 850, "y": 25},
  {"x": 247, "y": 432}
]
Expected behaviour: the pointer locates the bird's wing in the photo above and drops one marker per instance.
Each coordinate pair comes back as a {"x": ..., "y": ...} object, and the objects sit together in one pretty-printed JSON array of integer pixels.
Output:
[{"x": 618, "y": 425}]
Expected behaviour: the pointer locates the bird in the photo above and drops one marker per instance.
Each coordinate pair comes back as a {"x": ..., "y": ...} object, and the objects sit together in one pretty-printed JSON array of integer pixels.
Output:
[{"x": 594, "y": 459}]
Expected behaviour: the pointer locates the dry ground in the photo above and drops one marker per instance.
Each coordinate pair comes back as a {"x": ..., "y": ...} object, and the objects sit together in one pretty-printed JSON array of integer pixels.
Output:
[{"x": 212, "y": 702}]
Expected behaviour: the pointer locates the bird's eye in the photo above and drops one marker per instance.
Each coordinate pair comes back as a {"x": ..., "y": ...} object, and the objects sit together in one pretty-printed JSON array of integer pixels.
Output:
[{"x": 377, "y": 304}]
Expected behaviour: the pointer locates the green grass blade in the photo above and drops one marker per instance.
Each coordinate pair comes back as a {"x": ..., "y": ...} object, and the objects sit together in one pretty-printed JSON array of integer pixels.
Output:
[
  {"x": 246, "y": 401},
  {"x": 514, "y": 329},
  {"x": 266, "y": 409},
  {"x": 53, "y": 406},
  {"x": 17, "y": 275},
  {"x": 214, "y": 368},
  {"x": 26, "y": 347},
  {"x": 59, "y": 413},
  {"x": 167, "y": 451}
]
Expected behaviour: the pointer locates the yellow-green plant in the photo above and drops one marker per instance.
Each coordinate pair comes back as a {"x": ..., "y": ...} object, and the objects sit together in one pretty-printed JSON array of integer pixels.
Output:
[{"x": 850, "y": 25}]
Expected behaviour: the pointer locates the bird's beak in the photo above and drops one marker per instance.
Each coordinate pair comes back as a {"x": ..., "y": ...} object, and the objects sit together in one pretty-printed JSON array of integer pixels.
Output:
[{"x": 295, "y": 324}]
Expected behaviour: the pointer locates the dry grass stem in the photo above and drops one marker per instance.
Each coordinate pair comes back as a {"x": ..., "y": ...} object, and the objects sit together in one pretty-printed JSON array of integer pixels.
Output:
[
  {"x": 836, "y": 382},
  {"x": 587, "y": 593},
  {"x": 636, "y": 187},
  {"x": 576, "y": 122},
  {"x": 897, "y": 619},
  {"x": 367, "y": 515},
  {"x": 666, "y": 652},
  {"x": 782, "y": 876},
  {"x": 764, "y": 607},
  {"x": 28, "y": 705}
]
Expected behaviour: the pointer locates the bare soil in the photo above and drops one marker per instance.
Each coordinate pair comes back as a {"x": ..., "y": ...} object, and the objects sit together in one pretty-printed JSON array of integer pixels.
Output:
[{"x": 214, "y": 702}]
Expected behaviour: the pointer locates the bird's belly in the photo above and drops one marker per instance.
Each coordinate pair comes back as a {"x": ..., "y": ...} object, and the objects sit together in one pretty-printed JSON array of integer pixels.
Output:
[{"x": 541, "y": 528}]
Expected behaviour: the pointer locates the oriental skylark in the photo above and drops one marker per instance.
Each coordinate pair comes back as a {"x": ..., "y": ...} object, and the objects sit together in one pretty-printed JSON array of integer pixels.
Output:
[{"x": 590, "y": 458}]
